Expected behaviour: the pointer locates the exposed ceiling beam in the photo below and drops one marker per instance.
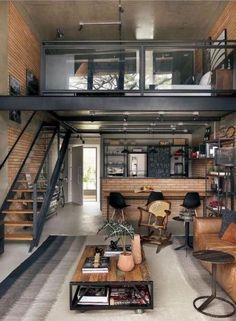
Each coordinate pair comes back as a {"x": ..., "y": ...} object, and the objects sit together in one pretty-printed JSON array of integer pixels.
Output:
[
  {"x": 63, "y": 123},
  {"x": 166, "y": 118},
  {"x": 123, "y": 103}
]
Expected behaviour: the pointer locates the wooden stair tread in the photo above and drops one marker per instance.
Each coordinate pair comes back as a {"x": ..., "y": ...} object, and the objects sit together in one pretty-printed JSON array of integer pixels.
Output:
[
  {"x": 18, "y": 223},
  {"x": 25, "y": 181},
  {"x": 28, "y": 190},
  {"x": 26, "y": 211},
  {"x": 18, "y": 237},
  {"x": 23, "y": 200}
]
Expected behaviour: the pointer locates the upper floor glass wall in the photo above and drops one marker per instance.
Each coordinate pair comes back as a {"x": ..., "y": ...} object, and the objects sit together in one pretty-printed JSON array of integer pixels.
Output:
[
  {"x": 138, "y": 67},
  {"x": 91, "y": 69}
]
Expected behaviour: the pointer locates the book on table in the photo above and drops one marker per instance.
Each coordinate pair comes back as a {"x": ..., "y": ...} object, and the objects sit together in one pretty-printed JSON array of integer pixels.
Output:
[
  {"x": 98, "y": 295},
  {"x": 112, "y": 252},
  {"x": 130, "y": 295},
  {"x": 90, "y": 267}
]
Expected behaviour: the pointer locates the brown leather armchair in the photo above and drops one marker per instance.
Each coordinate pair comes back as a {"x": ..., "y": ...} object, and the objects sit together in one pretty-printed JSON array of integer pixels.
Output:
[{"x": 206, "y": 237}]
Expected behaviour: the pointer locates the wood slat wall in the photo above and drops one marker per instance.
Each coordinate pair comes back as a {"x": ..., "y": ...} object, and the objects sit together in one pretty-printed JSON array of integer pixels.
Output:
[
  {"x": 227, "y": 20},
  {"x": 23, "y": 48}
]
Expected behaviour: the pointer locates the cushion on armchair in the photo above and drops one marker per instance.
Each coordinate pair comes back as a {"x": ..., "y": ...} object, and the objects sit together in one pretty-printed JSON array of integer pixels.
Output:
[
  {"x": 230, "y": 234},
  {"x": 228, "y": 217}
]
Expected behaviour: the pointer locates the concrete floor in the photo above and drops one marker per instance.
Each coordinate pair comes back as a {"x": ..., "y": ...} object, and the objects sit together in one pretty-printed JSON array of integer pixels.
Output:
[
  {"x": 75, "y": 220},
  {"x": 70, "y": 220}
]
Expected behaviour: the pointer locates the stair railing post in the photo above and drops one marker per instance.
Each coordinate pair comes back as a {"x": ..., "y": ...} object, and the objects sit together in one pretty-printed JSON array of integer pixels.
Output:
[{"x": 35, "y": 219}]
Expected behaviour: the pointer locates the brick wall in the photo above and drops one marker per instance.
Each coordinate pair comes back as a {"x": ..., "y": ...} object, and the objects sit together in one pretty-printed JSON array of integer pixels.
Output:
[
  {"x": 227, "y": 20},
  {"x": 129, "y": 184},
  {"x": 23, "y": 48},
  {"x": 20, "y": 151},
  {"x": 22, "y": 147}
]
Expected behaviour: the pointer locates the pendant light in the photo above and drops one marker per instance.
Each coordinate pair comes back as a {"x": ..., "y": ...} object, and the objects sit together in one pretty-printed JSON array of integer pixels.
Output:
[
  {"x": 125, "y": 150},
  {"x": 152, "y": 150}
]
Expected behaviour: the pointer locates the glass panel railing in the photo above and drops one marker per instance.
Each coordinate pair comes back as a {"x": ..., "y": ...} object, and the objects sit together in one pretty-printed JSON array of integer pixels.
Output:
[
  {"x": 140, "y": 67},
  {"x": 180, "y": 70},
  {"x": 92, "y": 69}
]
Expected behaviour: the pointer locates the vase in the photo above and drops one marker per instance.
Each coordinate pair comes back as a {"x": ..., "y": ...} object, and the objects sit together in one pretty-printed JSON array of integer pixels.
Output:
[
  {"x": 136, "y": 249},
  {"x": 125, "y": 262}
]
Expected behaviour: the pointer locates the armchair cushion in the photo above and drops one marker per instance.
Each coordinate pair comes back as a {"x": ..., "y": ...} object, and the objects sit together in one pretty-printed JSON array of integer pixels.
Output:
[
  {"x": 230, "y": 234},
  {"x": 228, "y": 217}
]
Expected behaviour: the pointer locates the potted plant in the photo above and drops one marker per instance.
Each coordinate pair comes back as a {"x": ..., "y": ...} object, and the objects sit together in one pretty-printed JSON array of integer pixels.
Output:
[{"x": 122, "y": 231}]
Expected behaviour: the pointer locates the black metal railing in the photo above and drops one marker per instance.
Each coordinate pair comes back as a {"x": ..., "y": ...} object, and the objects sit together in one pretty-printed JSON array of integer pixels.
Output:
[
  {"x": 17, "y": 140},
  {"x": 36, "y": 181},
  {"x": 41, "y": 216},
  {"x": 10, "y": 192},
  {"x": 122, "y": 67}
]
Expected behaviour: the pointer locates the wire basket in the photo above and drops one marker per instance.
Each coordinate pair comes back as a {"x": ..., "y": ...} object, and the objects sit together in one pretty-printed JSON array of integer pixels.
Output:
[{"x": 226, "y": 156}]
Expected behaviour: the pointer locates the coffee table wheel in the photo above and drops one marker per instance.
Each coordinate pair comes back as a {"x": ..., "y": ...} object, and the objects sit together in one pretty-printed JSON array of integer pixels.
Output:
[
  {"x": 208, "y": 301},
  {"x": 139, "y": 311}
]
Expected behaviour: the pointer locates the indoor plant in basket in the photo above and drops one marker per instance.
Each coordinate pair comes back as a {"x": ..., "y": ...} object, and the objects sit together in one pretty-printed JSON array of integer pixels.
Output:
[{"x": 122, "y": 231}]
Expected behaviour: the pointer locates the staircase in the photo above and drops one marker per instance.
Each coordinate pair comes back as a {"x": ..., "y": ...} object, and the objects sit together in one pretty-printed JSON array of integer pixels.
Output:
[{"x": 26, "y": 195}]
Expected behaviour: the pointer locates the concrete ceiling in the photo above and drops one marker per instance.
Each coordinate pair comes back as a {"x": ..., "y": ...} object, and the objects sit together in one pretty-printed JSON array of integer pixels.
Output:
[
  {"x": 144, "y": 122},
  {"x": 162, "y": 20}
]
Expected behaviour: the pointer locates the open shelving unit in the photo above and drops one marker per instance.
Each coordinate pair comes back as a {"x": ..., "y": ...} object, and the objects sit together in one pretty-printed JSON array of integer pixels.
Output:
[
  {"x": 222, "y": 177},
  {"x": 160, "y": 158}
]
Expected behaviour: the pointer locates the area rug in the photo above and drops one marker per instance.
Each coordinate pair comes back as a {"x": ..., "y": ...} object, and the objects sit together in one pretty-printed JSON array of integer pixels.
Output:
[
  {"x": 173, "y": 293},
  {"x": 29, "y": 292},
  {"x": 39, "y": 288}
]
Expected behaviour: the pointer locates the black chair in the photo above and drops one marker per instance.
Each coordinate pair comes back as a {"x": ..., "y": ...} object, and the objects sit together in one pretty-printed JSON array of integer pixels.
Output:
[
  {"x": 117, "y": 201},
  {"x": 155, "y": 196},
  {"x": 191, "y": 202}
]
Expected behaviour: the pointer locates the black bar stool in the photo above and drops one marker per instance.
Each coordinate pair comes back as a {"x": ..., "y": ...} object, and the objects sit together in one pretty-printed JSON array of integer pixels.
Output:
[
  {"x": 117, "y": 201},
  {"x": 191, "y": 203}
]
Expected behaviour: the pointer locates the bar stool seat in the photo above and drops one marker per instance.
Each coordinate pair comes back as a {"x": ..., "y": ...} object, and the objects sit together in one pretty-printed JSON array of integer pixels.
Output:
[{"x": 117, "y": 201}]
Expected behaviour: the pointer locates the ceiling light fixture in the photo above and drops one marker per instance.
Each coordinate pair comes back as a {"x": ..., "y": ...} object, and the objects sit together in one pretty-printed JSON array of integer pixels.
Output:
[
  {"x": 60, "y": 33},
  {"x": 101, "y": 23}
]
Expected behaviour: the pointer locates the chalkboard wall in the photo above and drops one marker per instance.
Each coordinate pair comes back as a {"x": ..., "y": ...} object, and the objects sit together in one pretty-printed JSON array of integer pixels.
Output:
[{"x": 159, "y": 161}]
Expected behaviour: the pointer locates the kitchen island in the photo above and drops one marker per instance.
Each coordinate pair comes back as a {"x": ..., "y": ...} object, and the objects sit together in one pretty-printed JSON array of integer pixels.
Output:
[{"x": 173, "y": 189}]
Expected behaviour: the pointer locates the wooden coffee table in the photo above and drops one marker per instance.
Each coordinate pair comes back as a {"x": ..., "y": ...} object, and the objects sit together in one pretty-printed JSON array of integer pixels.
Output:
[
  {"x": 137, "y": 279},
  {"x": 214, "y": 257}
]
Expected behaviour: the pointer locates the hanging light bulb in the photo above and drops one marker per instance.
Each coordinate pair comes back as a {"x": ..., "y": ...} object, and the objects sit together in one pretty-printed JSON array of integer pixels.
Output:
[
  {"x": 152, "y": 149},
  {"x": 125, "y": 150}
]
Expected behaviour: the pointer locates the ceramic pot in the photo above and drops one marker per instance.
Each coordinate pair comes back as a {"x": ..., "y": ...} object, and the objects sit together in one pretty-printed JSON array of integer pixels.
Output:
[
  {"x": 136, "y": 249},
  {"x": 125, "y": 262}
]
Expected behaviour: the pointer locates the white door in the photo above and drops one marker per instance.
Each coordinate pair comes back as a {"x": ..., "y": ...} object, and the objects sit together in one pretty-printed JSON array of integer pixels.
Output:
[{"x": 77, "y": 175}]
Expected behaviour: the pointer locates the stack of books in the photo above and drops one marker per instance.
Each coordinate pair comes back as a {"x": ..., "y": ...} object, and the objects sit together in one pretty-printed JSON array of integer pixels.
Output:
[
  {"x": 90, "y": 266},
  {"x": 113, "y": 252},
  {"x": 93, "y": 295},
  {"x": 128, "y": 295}
]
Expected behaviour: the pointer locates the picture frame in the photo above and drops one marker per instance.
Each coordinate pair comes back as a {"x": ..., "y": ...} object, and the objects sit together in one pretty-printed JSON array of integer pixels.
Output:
[
  {"x": 15, "y": 115},
  {"x": 14, "y": 86},
  {"x": 32, "y": 84}
]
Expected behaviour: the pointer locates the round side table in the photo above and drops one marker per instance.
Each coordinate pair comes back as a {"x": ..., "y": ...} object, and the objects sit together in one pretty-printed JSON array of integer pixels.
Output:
[
  {"x": 186, "y": 220},
  {"x": 215, "y": 258}
]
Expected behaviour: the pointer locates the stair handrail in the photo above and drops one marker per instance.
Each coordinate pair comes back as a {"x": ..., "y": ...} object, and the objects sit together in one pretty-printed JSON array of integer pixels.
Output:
[
  {"x": 17, "y": 140},
  {"x": 49, "y": 192},
  {"x": 45, "y": 155},
  {"x": 35, "y": 209},
  {"x": 9, "y": 194}
]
